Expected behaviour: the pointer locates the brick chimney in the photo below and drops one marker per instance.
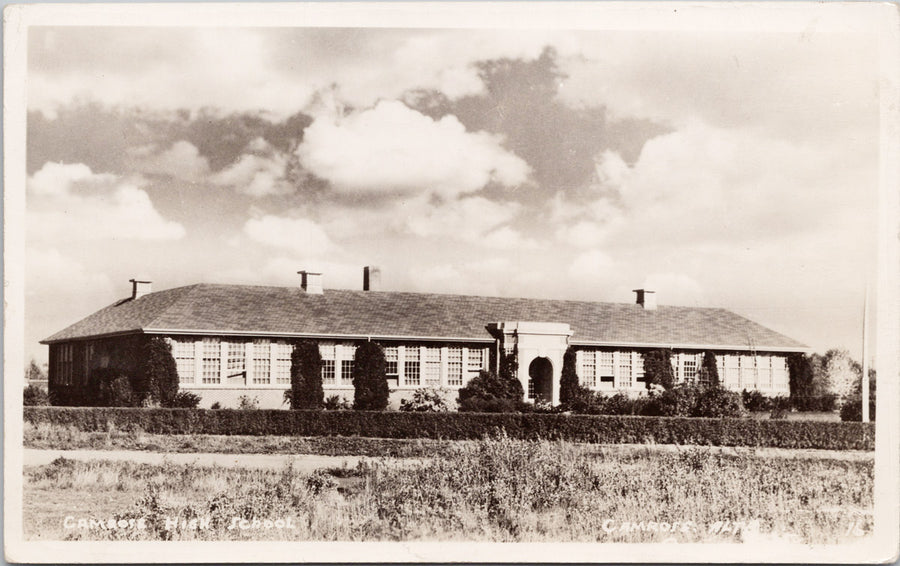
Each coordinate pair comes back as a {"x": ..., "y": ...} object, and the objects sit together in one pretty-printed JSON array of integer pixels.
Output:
[
  {"x": 139, "y": 288},
  {"x": 646, "y": 299},
  {"x": 311, "y": 282},
  {"x": 371, "y": 278}
]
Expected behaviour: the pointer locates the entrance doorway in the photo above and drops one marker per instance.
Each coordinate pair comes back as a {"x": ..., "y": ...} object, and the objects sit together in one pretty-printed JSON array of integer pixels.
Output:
[{"x": 540, "y": 380}]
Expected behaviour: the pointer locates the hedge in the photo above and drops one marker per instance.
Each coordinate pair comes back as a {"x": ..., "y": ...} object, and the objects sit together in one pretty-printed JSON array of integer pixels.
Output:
[{"x": 605, "y": 429}]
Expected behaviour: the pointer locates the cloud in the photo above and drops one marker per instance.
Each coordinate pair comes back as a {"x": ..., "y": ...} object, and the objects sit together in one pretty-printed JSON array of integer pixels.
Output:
[
  {"x": 72, "y": 203},
  {"x": 676, "y": 288},
  {"x": 393, "y": 149},
  {"x": 591, "y": 266},
  {"x": 259, "y": 173},
  {"x": 181, "y": 160},
  {"x": 298, "y": 234}
]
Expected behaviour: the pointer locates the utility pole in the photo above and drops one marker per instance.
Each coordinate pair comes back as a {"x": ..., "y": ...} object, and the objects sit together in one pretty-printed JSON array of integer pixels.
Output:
[{"x": 865, "y": 359}]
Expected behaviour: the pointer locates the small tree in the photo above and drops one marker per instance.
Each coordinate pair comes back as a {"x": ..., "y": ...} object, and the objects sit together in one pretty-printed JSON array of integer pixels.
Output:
[
  {"x": 156, "y": 376},
  {"x": 34, "y": 373},
  {"x": 488, "y": 393},
  {"x": 370, "y": 388},
  {"x": 509, "y": 375},
  {"x": 569, "y": 388},
  {"x": 658, "y": 368},
  {"x": 306, "y": 377},
  {"x": 709, "y": 371},
  {"x": 800, "y": 372}
]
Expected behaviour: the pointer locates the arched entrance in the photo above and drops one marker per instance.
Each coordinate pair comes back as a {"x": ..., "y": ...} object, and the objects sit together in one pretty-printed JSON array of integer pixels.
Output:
[{"x": 540, "y": 380}]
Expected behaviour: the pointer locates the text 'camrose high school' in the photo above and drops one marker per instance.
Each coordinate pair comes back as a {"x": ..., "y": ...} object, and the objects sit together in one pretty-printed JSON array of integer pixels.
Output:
[{"x": 234, "y": 340}]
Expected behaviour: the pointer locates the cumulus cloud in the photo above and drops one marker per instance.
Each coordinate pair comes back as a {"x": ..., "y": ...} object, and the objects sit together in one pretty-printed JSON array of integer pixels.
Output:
[
  {"x": 393, "y": 149},
  {"x": 676, "y": 288},
  {"x": 72, "y": 203},
  {"x": 259, "y": 173},
  {"x": 181, "y": 160},
  {"x": 299, "y": 234},
  {"x": 591, "y": 266}
]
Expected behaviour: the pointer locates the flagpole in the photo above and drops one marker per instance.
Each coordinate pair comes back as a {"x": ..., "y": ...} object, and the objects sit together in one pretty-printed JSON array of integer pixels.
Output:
[{"x": 865, "y": 360}]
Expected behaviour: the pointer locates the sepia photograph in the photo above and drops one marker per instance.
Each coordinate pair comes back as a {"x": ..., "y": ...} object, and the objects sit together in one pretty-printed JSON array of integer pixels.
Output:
[{"x": 431, "y": 282}]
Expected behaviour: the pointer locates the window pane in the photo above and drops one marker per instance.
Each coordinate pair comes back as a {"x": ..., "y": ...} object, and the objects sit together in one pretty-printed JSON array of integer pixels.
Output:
[
  {"x": 390, "y": 357},
  {"x": 328, "y": 372},
  {"x": 454, "y": 367},
  {"x": 432, "y": 366},
  {"x": 212, "y": 361},
  {"x": 262, "y": 361}
]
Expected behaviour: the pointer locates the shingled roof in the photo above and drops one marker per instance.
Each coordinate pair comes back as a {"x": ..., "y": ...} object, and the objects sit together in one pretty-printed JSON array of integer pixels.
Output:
[{"x": 285, "y": 311}]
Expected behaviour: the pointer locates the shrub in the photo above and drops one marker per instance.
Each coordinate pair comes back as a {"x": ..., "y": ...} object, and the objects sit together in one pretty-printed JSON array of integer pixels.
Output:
[
  {"x": 620, "y": 404},
  {"x": 709, "y": 370},
  {"x": 156, "y": 377},
  {"x": 306, "y": 377},
  {"x": 717, "y": 402},
  {"x": 815, "y": 403},
  {"x": 370, "y": 387},
  {"x": 34, "y": 395},
  {"x": 247, "y": 403},
  {"x": 427, "y": 399},
  {"x": 488, "y": 393},
  {"x": 187, "y": 400},
  {"x": 509, "y": 376},
  {"x": 675, "y": 402},
  {"x": 569, "y": 388},
  {"x": 658, "y": 368},
  {"x": 800, "y": 375},
  {"x": 464, "y": 426},
  {"x": 851, "y": 409},
  {"x": 109, "y": 387},
  {"x": 755, "y": 402},
  {"x": 337, "y": 403},
  {"x": 216, "y": 406}
]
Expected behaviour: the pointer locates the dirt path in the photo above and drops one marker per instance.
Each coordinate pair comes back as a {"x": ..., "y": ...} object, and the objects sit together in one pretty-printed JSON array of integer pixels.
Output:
[{"x": 301, "y": 462}]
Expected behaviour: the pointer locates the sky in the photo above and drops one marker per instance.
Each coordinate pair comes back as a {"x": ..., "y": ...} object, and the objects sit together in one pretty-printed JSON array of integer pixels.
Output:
[{"x": 724, "y": 169}]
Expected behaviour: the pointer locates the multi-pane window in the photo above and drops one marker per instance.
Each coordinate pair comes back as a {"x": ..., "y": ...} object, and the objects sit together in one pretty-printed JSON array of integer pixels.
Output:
[
  {"x": 327, "y": 351},
  {"x": 780, "y": 373},
  {"x": 531, "y": 392},
  {"x": 282, "y": 370},
  {"x": 689, "y": 373},
  {"x": 328, "y": 372},
  {"x": 390, "y": 357},
  {"x": 638, "y": 367},
  {"x": 475, "y": 361},
  {"x": 212, "y": 361},
  {"x": 605, "y": 365},
  {"x": 183, "y": 352},
  {"x": 236, "y": 362},
  {"x": 432, "y": 373},
  {"x": 764, "y": 371},
  {"x": 588, "y": 369},
  {"x": 748, "y": 372},
  {"x": 625, "y": 373},
  {"x": 454, "y": 367},
  {"x": 347, "y": 371},
  {"x": 64, "y": 363},
  {"x": 732, "y": 372},
  {"x": 262, "y": 361},
  {"x": 411, "y": 366}
]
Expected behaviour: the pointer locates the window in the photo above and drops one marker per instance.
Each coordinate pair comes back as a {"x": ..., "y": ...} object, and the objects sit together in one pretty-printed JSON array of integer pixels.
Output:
[
  {"x": 212, "y": 361},
  {"x": 690, "y": 368},
  {"x": 282, "y": 370},
  {"x": 531, "y": 393},
  {"x": 476, "y": 361},
  {"x": 390, "y": 358},
  {"x": 454, "y": 367},
  {"x": 732, "y": 372},
  {"x": 183, "y": 352},
  {"x": 327, "y": 372},
  {"x": 236, "y": 363},
  {"x": 780, "y": 373},
  {"x": 432, "y": 366},
  {"x": 625, "y": 375},
  {"x": 605, "y": 367},
  {"x": 64, "y": 357},
  {"x": 262, "y": 361},
  {"x": 638, "y": 367},
  {"x": 347, "y": 371},
  {"x": 748, "y": 372},
  {"x": 411, "y": 366},
  {"x": 588, "y": 369},
  {"x": 764, "y": 371}
]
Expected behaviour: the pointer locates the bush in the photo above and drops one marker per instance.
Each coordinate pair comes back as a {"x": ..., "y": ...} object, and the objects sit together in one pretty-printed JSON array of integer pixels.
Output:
[
  {"x": 717, "y": 402},
  {"x": 489, "y": 393},
  {"x": 370, "y": 387},
  {"x": 658, "y": 368},
  {"x": 186, "y": 400},
  {"x": 709, "y": 370},
  {"x": 247, "y": 403},
  {"x": 621, "y": 404},
  {"x": 216, "y": 406},
  {"x": 851, "y": 408},
  {"x": 109, "y": 387},
  {"x": 465, "y": 426},
  {"x": 337, "y": 403},
  {"x": 675, "y": 402},
  {"x": 156, "y": 377},
  {"x": 306, "y": 377},
  {"x": 755, "y": 402},
  {"x": 509, "y": 376},
  {"x": 815, "y": 403},
  {"x": 34, "y": 395},
  {"x": 427, "y": 399},
  {"x": 569, "y": 388}
]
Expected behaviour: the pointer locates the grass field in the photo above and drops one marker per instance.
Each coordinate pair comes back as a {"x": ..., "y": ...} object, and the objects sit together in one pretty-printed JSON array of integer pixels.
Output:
[{"x": 492, "y": 490}]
